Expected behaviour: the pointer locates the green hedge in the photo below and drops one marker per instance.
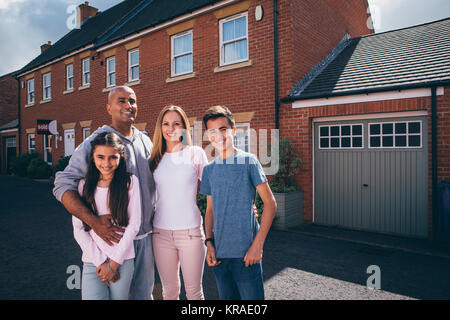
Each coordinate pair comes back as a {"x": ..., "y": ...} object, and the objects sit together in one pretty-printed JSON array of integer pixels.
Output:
[
  {"x": 39, "y": 169},
  {"x": 20, "y": 164}
]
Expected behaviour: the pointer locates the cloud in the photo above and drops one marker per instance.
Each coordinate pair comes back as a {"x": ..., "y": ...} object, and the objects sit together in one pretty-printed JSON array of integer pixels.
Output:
[{"x": 27, "y": 24}]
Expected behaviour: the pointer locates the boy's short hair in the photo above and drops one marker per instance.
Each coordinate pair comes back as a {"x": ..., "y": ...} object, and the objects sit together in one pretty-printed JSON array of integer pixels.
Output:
[{"x": 218, "y": 112}]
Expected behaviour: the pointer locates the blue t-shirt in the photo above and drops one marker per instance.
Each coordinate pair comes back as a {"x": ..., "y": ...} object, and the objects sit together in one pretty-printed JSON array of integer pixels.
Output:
[{"x": 232, "y": 184}]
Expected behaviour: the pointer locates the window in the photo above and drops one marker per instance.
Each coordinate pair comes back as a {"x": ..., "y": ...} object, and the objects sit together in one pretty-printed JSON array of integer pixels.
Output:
[
  {"x": 86, "y": 72},
  {"x": 242, "y": 137},
  {"x": 31, "y": 143},
  {"x": 346, "y": 136},
  {"x": 86, "y": 133},
  {"x": 30, "y": 91},
  {"x": 402, "y": 134},
  {"x": 69, "y": 75},
  {"x": 47, "y": 86},
  {"x": 111, "y": 72},
  {"x": 233, "y": 39},
  {"x": 133, "y": 65},
  {"x": 182, "y": 61}
]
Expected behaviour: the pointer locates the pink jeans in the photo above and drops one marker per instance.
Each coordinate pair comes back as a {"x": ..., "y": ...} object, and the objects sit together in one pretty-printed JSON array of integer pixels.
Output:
[{"x": 173, "y": 248}]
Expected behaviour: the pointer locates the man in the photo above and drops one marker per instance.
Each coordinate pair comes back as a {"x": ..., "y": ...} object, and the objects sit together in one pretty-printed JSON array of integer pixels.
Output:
[
  {"x": 123, "y": 109},
  {"x": 234, "y": 239}
]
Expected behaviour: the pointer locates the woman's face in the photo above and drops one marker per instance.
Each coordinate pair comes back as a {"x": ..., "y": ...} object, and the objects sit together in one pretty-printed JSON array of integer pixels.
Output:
[
  {"x": 106, "y": 160},
  {"x": 172, "y": 126}
]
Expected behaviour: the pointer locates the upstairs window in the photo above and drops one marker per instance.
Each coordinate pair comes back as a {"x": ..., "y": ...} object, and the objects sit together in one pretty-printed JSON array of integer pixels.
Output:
[
  {"x": 69, "y": 76},
  {"x": 133, "y": 65},
  {"x": 111, "y": 72},
  {"x": 30, "y": 91},
  {"x": 86, "y": 72},
  {"x": 233, "y": 39},
  {"x": 47, "y": 86},
  {"x": 182, "y": 55}
]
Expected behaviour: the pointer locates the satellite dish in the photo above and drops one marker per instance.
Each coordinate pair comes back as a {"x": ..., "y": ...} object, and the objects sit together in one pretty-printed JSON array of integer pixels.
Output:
[{"x": 53, "y": 127}]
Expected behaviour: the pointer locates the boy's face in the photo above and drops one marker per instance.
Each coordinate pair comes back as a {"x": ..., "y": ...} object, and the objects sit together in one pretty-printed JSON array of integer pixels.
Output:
[{"x": 220, "y": 133}]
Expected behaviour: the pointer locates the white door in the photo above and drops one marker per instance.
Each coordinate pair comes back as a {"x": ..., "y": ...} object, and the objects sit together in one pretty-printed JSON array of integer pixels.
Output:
[{"x": 69, "y": 141}]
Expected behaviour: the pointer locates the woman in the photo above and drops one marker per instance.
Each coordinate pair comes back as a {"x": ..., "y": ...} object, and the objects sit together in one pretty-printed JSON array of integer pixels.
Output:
[
  {"x": 108, "y": 189},
  {"x": 178, "y": 237}
]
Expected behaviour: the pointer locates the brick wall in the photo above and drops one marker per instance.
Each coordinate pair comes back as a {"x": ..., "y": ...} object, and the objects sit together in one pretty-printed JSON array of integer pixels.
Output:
[
  {"x": 245, "y": 89},
  {"x": 8, "y": 99},
  {"x": 297, "y": 125}
]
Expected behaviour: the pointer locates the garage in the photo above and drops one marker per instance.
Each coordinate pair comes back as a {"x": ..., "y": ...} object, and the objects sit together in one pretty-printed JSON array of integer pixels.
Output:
[{"x": 372, "y": 174}]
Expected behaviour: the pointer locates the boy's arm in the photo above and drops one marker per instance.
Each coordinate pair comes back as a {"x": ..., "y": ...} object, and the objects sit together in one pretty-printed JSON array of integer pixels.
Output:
[
  {"x": 209, "y": 223},
  {"x": 254, "y": 253}
]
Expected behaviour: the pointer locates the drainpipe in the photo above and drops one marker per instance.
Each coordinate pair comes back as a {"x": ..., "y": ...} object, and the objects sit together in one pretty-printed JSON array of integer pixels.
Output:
[
  {"x": 275, "y": 62},
  {"x": 19, "y": 127},
  {"x": 434, "y": 167}
]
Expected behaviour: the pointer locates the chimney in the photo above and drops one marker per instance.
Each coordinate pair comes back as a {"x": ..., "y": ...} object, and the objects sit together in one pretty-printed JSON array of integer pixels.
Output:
[
  {"x": 85, "y": 11},
  {"x": 45, "y": 46}
]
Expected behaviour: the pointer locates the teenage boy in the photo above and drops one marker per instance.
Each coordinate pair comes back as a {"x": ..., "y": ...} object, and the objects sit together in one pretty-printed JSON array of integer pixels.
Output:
[{"x": 234, "y": 238}]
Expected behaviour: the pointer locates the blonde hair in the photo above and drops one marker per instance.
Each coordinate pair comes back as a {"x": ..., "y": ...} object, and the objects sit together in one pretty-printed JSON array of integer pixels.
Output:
[{"x": 159, "y": 143}]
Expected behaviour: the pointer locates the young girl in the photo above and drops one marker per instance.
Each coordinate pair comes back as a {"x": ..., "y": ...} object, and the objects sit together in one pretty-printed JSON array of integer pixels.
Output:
[
  {"x": 178, "y": 237},
  {"x": 109, "y": 190}
]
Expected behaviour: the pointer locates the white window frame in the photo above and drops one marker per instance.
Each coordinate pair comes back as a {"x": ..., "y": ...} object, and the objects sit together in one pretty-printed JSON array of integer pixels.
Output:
[
  {"x": 31, "y": 136},
  {"x": 394, "y": 134},
  {"x": 222, "y": 43},
  {"x": 130, "y": 66},
  {"x": 340, "y": 136},
  {"x": 172, "y": 53},
  {"x": 69, "y": 77},
  {"x": 85, "y": 72},
  {"x": 86, "y": 132},
  {"x": 109, "y": 72},
  {"x": 49, "y": 86},
  {"x": 242, "y": 127},
  {"x": 30, "y": 92}
]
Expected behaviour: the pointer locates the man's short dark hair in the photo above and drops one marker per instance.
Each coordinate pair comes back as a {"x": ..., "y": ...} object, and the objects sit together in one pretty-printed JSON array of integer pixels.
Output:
[{"x": 218, "y": 112}]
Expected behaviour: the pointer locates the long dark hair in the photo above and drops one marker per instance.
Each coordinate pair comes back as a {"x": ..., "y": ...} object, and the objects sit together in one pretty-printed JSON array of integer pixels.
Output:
[{"x": 118, "y": 188}]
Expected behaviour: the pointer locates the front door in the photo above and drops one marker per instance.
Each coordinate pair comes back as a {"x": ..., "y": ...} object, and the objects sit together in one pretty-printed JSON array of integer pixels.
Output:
[{"x": 69, "y": 142}]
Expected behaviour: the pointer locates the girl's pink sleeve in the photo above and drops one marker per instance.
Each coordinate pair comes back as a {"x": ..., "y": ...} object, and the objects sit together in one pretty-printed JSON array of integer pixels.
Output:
[
  {"x": 84, "y": 239},
  {"x": 134, "y": 222}
]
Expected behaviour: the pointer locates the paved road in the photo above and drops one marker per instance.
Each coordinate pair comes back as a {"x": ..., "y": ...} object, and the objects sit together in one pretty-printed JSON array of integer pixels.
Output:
[{"x": 37, "y": 247}]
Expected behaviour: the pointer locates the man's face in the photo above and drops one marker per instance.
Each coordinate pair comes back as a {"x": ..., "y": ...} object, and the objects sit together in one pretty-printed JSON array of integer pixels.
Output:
[
  {"x": 220, "y": 133},
  {"x": 122, "y": 107}
]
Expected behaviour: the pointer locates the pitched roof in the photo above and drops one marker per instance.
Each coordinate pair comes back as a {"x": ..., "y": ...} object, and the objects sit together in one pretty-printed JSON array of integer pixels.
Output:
[
  {"x": 404, "y": 58},
  {"x": 125, "y": 18}
]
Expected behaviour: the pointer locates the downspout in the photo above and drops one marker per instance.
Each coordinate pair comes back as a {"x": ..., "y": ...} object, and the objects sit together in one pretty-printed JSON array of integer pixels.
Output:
[
  {"x": 275, "y": 62},
  {"x": 19, "y": 127},
  {"x": 434, "y": 167}
]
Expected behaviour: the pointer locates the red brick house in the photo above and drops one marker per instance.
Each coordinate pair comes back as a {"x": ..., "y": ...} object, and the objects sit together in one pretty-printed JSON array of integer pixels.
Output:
[
  {"x": 372, "y": 123},
  {"x": 194, "y": 54},
  {"x": 9, "y": 121}
]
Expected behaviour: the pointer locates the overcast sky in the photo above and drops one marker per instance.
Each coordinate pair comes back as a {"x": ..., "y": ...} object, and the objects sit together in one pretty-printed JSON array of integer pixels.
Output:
[{"x": 26, "y": 24}]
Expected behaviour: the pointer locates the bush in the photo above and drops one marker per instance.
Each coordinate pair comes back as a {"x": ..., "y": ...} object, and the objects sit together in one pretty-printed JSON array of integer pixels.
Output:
[
  {"x": 20, "y": 164},
  {"x": 39, "y": 169},
  {"x": 201, "y": 203},
  {"x": 289, "y": 162},
  {"x": 61, "y": 165}
]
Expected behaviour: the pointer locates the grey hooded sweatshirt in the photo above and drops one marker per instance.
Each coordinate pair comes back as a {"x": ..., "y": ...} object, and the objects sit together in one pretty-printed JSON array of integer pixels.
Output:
[{"x": 138, "y": 149}]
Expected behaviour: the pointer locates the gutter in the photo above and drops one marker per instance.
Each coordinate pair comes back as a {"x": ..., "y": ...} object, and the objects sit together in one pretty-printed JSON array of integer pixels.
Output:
[
  {"x": 429, "y": 84},
  {"x": 19, "y": 133}
]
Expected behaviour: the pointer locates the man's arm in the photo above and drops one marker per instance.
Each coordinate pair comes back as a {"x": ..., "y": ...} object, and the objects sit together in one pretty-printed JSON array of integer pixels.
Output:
[
  {"x": 209, "y": 223},
  {"x": 101, "y": 225},
  {"x": 255, "y": 252}
]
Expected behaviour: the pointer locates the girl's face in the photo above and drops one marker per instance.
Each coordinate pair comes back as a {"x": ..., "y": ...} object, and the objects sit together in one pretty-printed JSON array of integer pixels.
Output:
[
  {"x": 106, "y": 160},
  {"x": 172, "y": 126}
]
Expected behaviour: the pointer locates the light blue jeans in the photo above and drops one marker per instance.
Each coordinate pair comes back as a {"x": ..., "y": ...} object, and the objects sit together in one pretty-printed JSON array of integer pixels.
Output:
[{"x": 92, "y": 288}]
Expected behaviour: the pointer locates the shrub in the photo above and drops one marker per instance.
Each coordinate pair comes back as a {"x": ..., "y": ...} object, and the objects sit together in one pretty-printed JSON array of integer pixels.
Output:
[
  {"x": 61, "y": 165},
  {"x": 39, "y": 169},
  {"x": 20, "y": 164},
  {"x": 201, "y": 203}
]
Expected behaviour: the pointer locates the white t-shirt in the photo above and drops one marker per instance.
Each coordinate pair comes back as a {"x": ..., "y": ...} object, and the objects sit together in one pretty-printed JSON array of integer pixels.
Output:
[{"x": 176, "y": 179}]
